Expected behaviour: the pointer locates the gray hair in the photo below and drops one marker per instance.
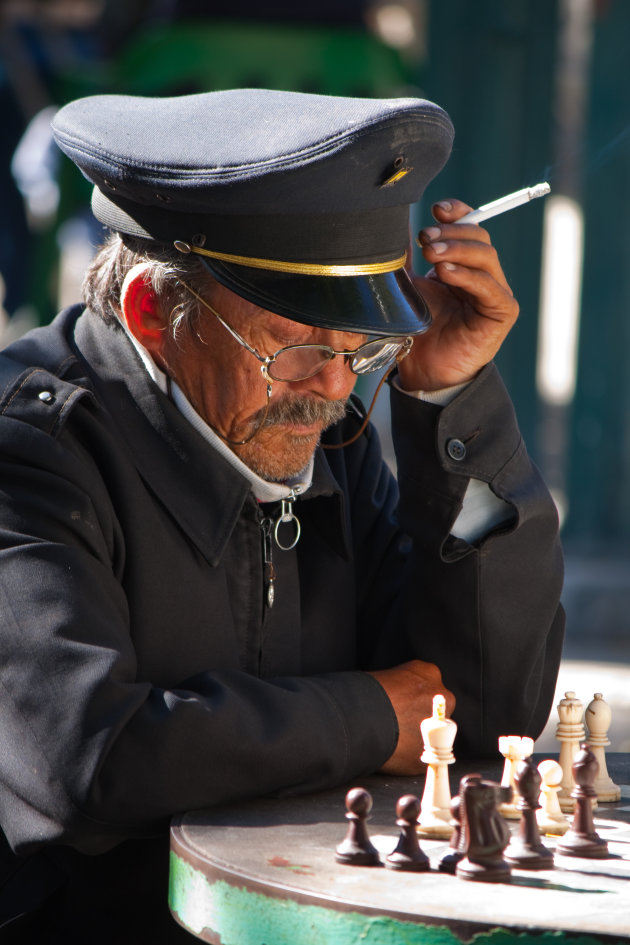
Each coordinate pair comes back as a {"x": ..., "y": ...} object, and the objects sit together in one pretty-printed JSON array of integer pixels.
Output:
[{"x": 167, "y": 268}]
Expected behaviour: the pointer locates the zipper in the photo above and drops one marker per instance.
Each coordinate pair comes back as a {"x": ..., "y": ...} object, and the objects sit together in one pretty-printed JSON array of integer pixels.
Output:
[
  {"x": 266, "y": 525},
  {"x": 271, "y": 532}
]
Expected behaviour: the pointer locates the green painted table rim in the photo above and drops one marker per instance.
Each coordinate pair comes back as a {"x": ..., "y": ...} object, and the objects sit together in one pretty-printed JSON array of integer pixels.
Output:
[{"x": 224, "y": 914}]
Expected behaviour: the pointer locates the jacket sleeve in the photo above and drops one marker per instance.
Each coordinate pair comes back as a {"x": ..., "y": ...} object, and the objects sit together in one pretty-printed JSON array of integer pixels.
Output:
[
  {"x": 487, "y": 614},
  {"x": 93, "y": 752}
]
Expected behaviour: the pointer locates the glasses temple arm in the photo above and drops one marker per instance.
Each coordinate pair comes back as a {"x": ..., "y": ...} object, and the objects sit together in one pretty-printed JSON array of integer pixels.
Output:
[
  {"x": 399, "y": 358},
  {"x": 232, "y": 331}
]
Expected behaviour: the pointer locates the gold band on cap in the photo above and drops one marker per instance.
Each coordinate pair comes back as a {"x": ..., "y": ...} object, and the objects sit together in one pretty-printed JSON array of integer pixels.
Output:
[{"x": 306, "y": 269}]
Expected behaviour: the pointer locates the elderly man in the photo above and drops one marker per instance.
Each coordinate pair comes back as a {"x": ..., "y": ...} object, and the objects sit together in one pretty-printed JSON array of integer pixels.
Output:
[{"x": 211, "y": 587}]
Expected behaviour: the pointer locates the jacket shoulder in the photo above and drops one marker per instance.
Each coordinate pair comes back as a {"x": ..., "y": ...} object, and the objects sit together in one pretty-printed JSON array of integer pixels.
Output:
[{"x": 33, "y": 389}]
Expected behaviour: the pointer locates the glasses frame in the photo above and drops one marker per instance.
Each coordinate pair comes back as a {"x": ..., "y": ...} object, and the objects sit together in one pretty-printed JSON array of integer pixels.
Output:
[
  {"x": 267, "y": 360},
  {"x": 269, "y": 379}
]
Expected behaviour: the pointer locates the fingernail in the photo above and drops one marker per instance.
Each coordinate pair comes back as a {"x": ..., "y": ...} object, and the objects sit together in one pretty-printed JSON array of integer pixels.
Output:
[
  {"x": 449, "y": 266},
  {"x": 444, "y": 204},
  {"x": 432, "y": 232},
  {"x": 439, "y": 247}
]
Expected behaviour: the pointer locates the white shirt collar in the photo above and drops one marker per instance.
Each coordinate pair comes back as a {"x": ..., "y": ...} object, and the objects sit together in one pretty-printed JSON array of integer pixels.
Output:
[{"x": 263, "y": 490}]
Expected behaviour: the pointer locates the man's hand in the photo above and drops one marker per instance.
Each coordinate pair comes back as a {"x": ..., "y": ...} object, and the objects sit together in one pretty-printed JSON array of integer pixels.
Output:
[
  {"x": 471, "y": 303},
  {"x": 410, "y": 688}
]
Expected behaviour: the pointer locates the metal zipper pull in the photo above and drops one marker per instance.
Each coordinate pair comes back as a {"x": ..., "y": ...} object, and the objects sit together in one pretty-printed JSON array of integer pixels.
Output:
[
  {"x": 265, "y": 525},
  {"x": 286, "y": 517}
]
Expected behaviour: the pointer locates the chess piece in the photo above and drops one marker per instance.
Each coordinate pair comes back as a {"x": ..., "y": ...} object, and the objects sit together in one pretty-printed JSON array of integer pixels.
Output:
[
  {"x": 598, "y": 717},
  {"x": 438, "y": 735},
  {"x": 357, "y": 849},
  {"x": 581, "y": 838},
  {"x": 513, "y": 748},
  {"x": 570, "y": 732},
  {"x": 455, "y": 851},
  {"x": 551, "y": 820},
  {"x": 486, "y": 833},
  {"x": 526, "y": 849},
  {"x": 407, "y": 855}
]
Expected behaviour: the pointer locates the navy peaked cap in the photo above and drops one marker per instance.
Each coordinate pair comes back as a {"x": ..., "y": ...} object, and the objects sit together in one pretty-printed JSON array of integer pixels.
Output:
[{"x": 299, "y": 203}]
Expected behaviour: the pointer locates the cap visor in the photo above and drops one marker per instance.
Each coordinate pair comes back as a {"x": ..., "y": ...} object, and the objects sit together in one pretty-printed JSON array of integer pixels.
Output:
[{"x": 383, "y": 304}]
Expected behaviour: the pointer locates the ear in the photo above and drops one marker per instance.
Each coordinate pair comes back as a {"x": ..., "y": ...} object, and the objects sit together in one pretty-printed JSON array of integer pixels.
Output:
[{"x": 141, "y": 309}]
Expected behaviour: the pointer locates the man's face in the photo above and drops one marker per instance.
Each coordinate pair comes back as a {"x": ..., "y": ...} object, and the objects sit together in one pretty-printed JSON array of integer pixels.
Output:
[{"x": 224, "y": 383}]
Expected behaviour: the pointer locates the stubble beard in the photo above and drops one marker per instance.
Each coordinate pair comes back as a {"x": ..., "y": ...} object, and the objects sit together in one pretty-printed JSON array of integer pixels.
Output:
[{"x": 275, "y": 453}]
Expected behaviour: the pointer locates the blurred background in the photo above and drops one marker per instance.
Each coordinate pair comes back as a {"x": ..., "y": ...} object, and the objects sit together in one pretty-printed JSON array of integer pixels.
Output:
[{"x": 537, "y": 89}]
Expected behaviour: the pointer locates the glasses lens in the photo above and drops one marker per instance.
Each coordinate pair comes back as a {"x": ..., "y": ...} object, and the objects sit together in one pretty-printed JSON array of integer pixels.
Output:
[
  {"x": 299, "y": 362},
  {"x": 375, "y": 355}
]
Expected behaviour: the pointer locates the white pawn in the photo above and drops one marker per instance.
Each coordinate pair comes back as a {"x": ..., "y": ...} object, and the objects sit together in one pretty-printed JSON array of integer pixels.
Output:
[
  {"x": 438, "y": 735},
  {"x": 514, "y": 749},
  {"x": 598, "y": 717},
  {"x": 570, "y": 732},
  {"x": 551, "y": 820}
]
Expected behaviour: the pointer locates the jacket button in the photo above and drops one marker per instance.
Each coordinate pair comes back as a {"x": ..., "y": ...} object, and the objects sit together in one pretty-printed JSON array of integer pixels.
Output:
[
  {"x": 456, "y": 449},
  {"x": 46, "y": 397}
]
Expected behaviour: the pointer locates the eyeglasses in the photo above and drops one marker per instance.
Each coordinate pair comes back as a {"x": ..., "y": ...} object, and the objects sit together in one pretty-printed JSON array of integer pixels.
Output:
[{"x": 299, "y": 362}]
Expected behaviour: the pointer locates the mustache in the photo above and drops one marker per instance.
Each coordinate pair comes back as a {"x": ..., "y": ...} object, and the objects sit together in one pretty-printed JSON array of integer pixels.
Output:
[{"x": 304, "y": 411}]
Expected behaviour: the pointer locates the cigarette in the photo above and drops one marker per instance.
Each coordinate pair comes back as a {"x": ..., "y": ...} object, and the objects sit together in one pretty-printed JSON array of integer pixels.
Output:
[{"x": 503, "y": 204}]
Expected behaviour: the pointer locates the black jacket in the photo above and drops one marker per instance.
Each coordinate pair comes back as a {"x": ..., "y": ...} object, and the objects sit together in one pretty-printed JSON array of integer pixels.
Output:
[{"x": 142, "y": 672}]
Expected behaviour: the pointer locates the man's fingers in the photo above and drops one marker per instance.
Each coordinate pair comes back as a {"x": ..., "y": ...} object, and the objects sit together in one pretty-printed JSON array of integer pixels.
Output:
[
  {"x": 448, "y": 211},
  {"x": 451, "y": 231},
  {"x": 411, "y": 688},
  {"x": 488, "y": 298},
  {"x": 472, "y": 255}
]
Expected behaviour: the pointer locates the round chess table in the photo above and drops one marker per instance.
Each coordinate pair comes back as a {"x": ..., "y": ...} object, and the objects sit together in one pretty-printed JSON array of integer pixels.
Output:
[{"x": 264, "y": 873}]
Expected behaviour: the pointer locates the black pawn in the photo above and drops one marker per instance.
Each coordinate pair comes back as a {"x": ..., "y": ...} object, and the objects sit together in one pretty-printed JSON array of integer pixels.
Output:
[
  {"x": 526, "y": 849},
  {"x": 357, "y": 849},
  {"x": 408, "y": 855},
  {"x": 455, "y": 851},
  {"x": 581, "y": 838}
]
